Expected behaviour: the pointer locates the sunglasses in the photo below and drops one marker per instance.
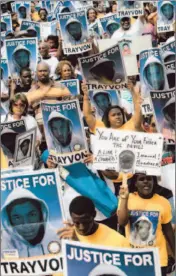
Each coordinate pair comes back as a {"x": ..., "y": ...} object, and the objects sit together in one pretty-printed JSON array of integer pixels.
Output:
[{"x": 19, "y": 105}]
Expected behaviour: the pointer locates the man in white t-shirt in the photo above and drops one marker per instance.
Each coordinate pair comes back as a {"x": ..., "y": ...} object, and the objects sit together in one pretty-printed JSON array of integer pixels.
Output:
[
  {"x": 50, "y": 60},
  {"x": 127, "y": 29}
]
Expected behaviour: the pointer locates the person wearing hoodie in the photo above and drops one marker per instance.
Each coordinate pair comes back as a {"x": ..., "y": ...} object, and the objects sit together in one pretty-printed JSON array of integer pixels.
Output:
[
  {"x": 169, "y": 113},
  {"x": 102, "y": 100},
  {"x": 8, "y": 137},
  {"x": 74, "y": 30},
  {"x": 167, "y": 12},
  {"x": 25, "y": 224},
  {"x": 104, "y": 71},
  {"x": 62, "y": 134},
  {"x": 106, "y": 270},
  {"x": 24, "y": 150},
  {"x": 112, "y": 26},
  {"x": 3, "y": 26},
  {"x": 153, "y": 76},
  {"x": 20, "y": 58},
  {"x": 22, "y": 12},
  {"x": 144, "y": 202}
]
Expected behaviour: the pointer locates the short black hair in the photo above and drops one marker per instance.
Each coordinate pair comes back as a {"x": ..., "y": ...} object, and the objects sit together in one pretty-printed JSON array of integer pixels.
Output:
[
  {"x": 81, "y": 205},
  {"x": 27, "y": 69},
  {"x": 42, "y": 9},
  {"x": 105, "y": 118}
]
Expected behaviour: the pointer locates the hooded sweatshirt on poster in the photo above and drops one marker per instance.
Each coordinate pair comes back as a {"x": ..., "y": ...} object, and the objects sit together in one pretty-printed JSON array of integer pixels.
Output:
[{"x": 12, "y": 240}]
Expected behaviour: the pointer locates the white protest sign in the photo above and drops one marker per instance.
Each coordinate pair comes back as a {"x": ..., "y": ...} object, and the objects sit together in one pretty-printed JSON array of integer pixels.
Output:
[
  {"x": 135, "y": 151},
  {"x": 146, "y": 107},
  {"x": 18, "y": 267}
]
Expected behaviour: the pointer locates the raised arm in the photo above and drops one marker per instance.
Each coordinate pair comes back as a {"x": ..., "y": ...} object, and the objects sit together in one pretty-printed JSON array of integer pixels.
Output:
[
  {"x": 137, "y": 101},
  {"x": 87, "y": 109},
  {"x": 122, "y": 211}
]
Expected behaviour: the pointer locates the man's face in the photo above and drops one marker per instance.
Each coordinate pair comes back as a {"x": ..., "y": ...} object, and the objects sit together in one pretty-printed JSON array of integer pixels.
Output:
[
  {"x": 155, "y": 76},
  {"x": 22, "y": 12},
  {"x": 102, "y": 101},
  {"x": 26, "y": 78},
  {"x": 143, "y": 230},
  {"x": 25, "y": 218},
  {"x": 51, "y": 43},
  {"x": 113, "y": 27},
  {"x": 44, "y": 50},
  {"x": 125, "y": 24},
  {"x": 43, "y": 74},
  {"x": 43, "y": 15},
  {"x": 25, "y": 148},
  {"x": 60, "y": 129},
  {"x": 75, "y": 30},
  {"x": 168, "y": 11},
  {"x": 3, "y": 27},
  {"x": 22, "y": 58},
  {"x": 83, "y": 223}
]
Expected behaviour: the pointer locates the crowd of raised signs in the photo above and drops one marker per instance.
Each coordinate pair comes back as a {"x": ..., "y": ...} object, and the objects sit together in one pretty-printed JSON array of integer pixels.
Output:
[{"x": 88, "y": 137}]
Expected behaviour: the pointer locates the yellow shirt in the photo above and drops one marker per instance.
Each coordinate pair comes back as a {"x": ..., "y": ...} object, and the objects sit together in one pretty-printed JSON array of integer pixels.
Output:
[
  {"x": 104, "y": 236},
  {"x": 129, "y": 125},
  {"x": 4, "y": 161},
  {"x": 146, "y": 217},
  {"x": 35, "y": 16}
]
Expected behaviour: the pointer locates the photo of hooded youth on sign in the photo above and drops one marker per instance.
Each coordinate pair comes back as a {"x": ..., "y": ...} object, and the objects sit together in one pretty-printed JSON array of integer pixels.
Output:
[
  {"x": 110, "y": 24},
  {"x": 124, "y": 4},
  {"x": 164, "y": 110},
  {"x": 105, "y": 68},
  {"x": 30, "y": 216},
  {"x": 6, "y": 23},
  {"x": 152, "y": 72},
  {"x": 32, "y": 28},
  {"x": 106, "y": 270},
  {"x": 63, "y": 130},
  {"x": 103, "y": 99},
  {"x": 21, "y": 53},
  {"x": 23, "y": 9},
  {"x": 166, "y": 12},
  {"x": 74, "y": 28}
]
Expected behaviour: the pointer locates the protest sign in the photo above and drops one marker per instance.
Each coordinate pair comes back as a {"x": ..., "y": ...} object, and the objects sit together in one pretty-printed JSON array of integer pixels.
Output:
[
  {"x": 166, "y": 16},
  {"x": 25, "y": 148},
  {"x": 168, "y": 55},
  {"x": 16, "y": 170},
  {"x": 32, "y": 28},
  {"x": 135, "y": 45},
  {"x": 74, "y": 32},
  {"x": 23, "y": 9},
  {"x": 168, "y": 51},
  {"x": 89, "y": 260},
  {"x": 33, "y": 247},
  {"x": 47, "y": 28},
  {"x": 21, "y": 53},
  {"x": 164, "y": 110},
  {"x": 110, "y": 24},
  {"x": 4, "y": 71},
  {"x": 72, "y": 85},
  {"x": 146, "y": 107},
  {"x": 105, "y": 70},
  {"x": 168, "y": 156},
  {"x": 9, "y": 131},
  {"x": 64, "y": 131},
  {"x": 6, "y": 24},
  {"x": 130, "y": 8},
  {"x": 82, "y": 5},
  {"x": 94, "y": 30},
  {"x": 111, "y": 149},
  {"x": 48, "y": 5},
  {"x": 102, "y": 99},
  {"x": 152, "y": 71}
]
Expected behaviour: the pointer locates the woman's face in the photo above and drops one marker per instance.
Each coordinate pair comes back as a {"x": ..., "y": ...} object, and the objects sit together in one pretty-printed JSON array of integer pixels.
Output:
[
  {"x": 18, "y": 108},
  {"x": 92, "y": 15},
  {"x": 66, "y": 72},
  {"x": 115, "y": 118},
  {"x": 144, "y": 185}
]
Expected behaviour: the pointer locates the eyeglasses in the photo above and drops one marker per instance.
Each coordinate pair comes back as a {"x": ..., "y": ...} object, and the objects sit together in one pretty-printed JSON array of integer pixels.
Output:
[{"x": 19, "y": 105}]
